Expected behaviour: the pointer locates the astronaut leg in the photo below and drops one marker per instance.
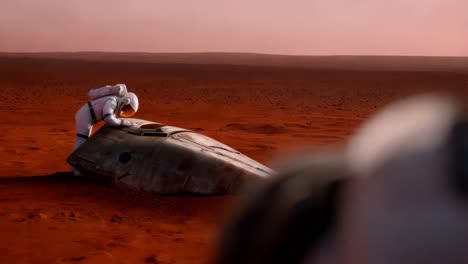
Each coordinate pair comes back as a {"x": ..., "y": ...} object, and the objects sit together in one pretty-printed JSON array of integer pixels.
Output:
[
  {"x": 83, "y": 129},
  {"x": 80, "y": 139},
  {"x": 83, "y": 124}
]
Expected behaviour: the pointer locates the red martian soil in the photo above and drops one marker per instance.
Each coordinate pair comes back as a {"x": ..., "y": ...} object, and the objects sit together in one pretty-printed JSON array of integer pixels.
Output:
[{"x": 264, "y": 106}]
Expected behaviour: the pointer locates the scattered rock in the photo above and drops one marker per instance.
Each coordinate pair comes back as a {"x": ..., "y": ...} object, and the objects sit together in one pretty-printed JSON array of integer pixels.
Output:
[
  {"x": 20, "y": 219},
  {"x": 34, "y": 148},
  {"x": 116, "y": 219},
  {"x": 74, "y": 215},
  {"x": 32, "y": 215},
  {"x": 78, "y": 258},
  {"x": 152, "y": 259},
  {"x": 17, "y": 218}
]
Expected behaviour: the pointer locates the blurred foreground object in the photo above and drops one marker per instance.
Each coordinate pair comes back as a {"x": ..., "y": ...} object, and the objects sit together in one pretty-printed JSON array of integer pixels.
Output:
[
  {"x": 409, "y": 202},
  {"x": 396, "y": 194},
  {"x": 290, "y": 219}
]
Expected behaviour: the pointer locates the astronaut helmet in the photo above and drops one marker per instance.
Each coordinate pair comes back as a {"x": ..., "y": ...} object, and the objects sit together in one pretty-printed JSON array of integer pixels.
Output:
[{"x": 128, "y": 105}]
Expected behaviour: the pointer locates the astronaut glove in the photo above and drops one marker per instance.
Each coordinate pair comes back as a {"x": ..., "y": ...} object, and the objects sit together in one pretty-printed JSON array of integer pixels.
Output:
[{"x": 126, "y": 123}]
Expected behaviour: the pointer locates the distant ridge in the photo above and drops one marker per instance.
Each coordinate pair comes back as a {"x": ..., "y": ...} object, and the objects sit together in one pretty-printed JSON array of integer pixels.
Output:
[{"x": 358, "y": 63}]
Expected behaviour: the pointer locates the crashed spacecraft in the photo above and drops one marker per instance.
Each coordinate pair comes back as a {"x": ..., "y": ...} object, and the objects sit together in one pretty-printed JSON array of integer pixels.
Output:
[{"x": 164, "y": 159}]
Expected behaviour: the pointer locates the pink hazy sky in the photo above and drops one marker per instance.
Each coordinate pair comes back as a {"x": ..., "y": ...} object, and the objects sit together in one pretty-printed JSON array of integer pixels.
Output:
[{"x": 299, "y": 27}]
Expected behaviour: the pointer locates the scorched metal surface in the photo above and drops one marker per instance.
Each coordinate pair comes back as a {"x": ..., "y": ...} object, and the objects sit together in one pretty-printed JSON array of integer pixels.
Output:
[{"x": 165, "y": 159}]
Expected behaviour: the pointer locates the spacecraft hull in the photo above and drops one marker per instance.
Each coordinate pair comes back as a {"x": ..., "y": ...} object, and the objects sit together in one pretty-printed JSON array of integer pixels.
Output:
[{"x": 164, "y": 159}]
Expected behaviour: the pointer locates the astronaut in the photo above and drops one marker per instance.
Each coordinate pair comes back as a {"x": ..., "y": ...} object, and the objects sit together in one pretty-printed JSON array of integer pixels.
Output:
[{"x": 104, "y": 104}]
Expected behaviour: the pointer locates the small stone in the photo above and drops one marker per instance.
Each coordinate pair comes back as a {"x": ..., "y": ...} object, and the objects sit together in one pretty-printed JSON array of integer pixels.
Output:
[
  {"x": 32, "y": 215},
  {"x": 20, "y": 219},
  {"x": 116, "y": 219},
  {"x": 78, "y": 258},
  {"x": 152, "y": 259},
  {"x": 74, "y": 215}
]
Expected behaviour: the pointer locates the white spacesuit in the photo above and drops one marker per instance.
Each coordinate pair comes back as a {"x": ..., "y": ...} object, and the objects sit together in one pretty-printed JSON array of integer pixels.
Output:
[{"x": 106, "y": 102}]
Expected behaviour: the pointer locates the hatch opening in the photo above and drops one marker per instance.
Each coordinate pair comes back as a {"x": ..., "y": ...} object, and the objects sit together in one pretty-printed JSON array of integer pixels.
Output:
[{"x": 153, "y": 132}]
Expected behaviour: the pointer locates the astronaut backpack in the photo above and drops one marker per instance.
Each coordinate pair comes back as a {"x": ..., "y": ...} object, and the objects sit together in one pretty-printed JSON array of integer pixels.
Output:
[{"x": 118, "y": 90}]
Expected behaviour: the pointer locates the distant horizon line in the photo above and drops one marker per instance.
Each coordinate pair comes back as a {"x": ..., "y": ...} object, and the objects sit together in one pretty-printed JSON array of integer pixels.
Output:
[{"x": 232, "y": 52}]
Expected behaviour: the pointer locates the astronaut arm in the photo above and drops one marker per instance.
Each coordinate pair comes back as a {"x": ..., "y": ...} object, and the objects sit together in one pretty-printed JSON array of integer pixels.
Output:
[{"x": 109, "y": 117}]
